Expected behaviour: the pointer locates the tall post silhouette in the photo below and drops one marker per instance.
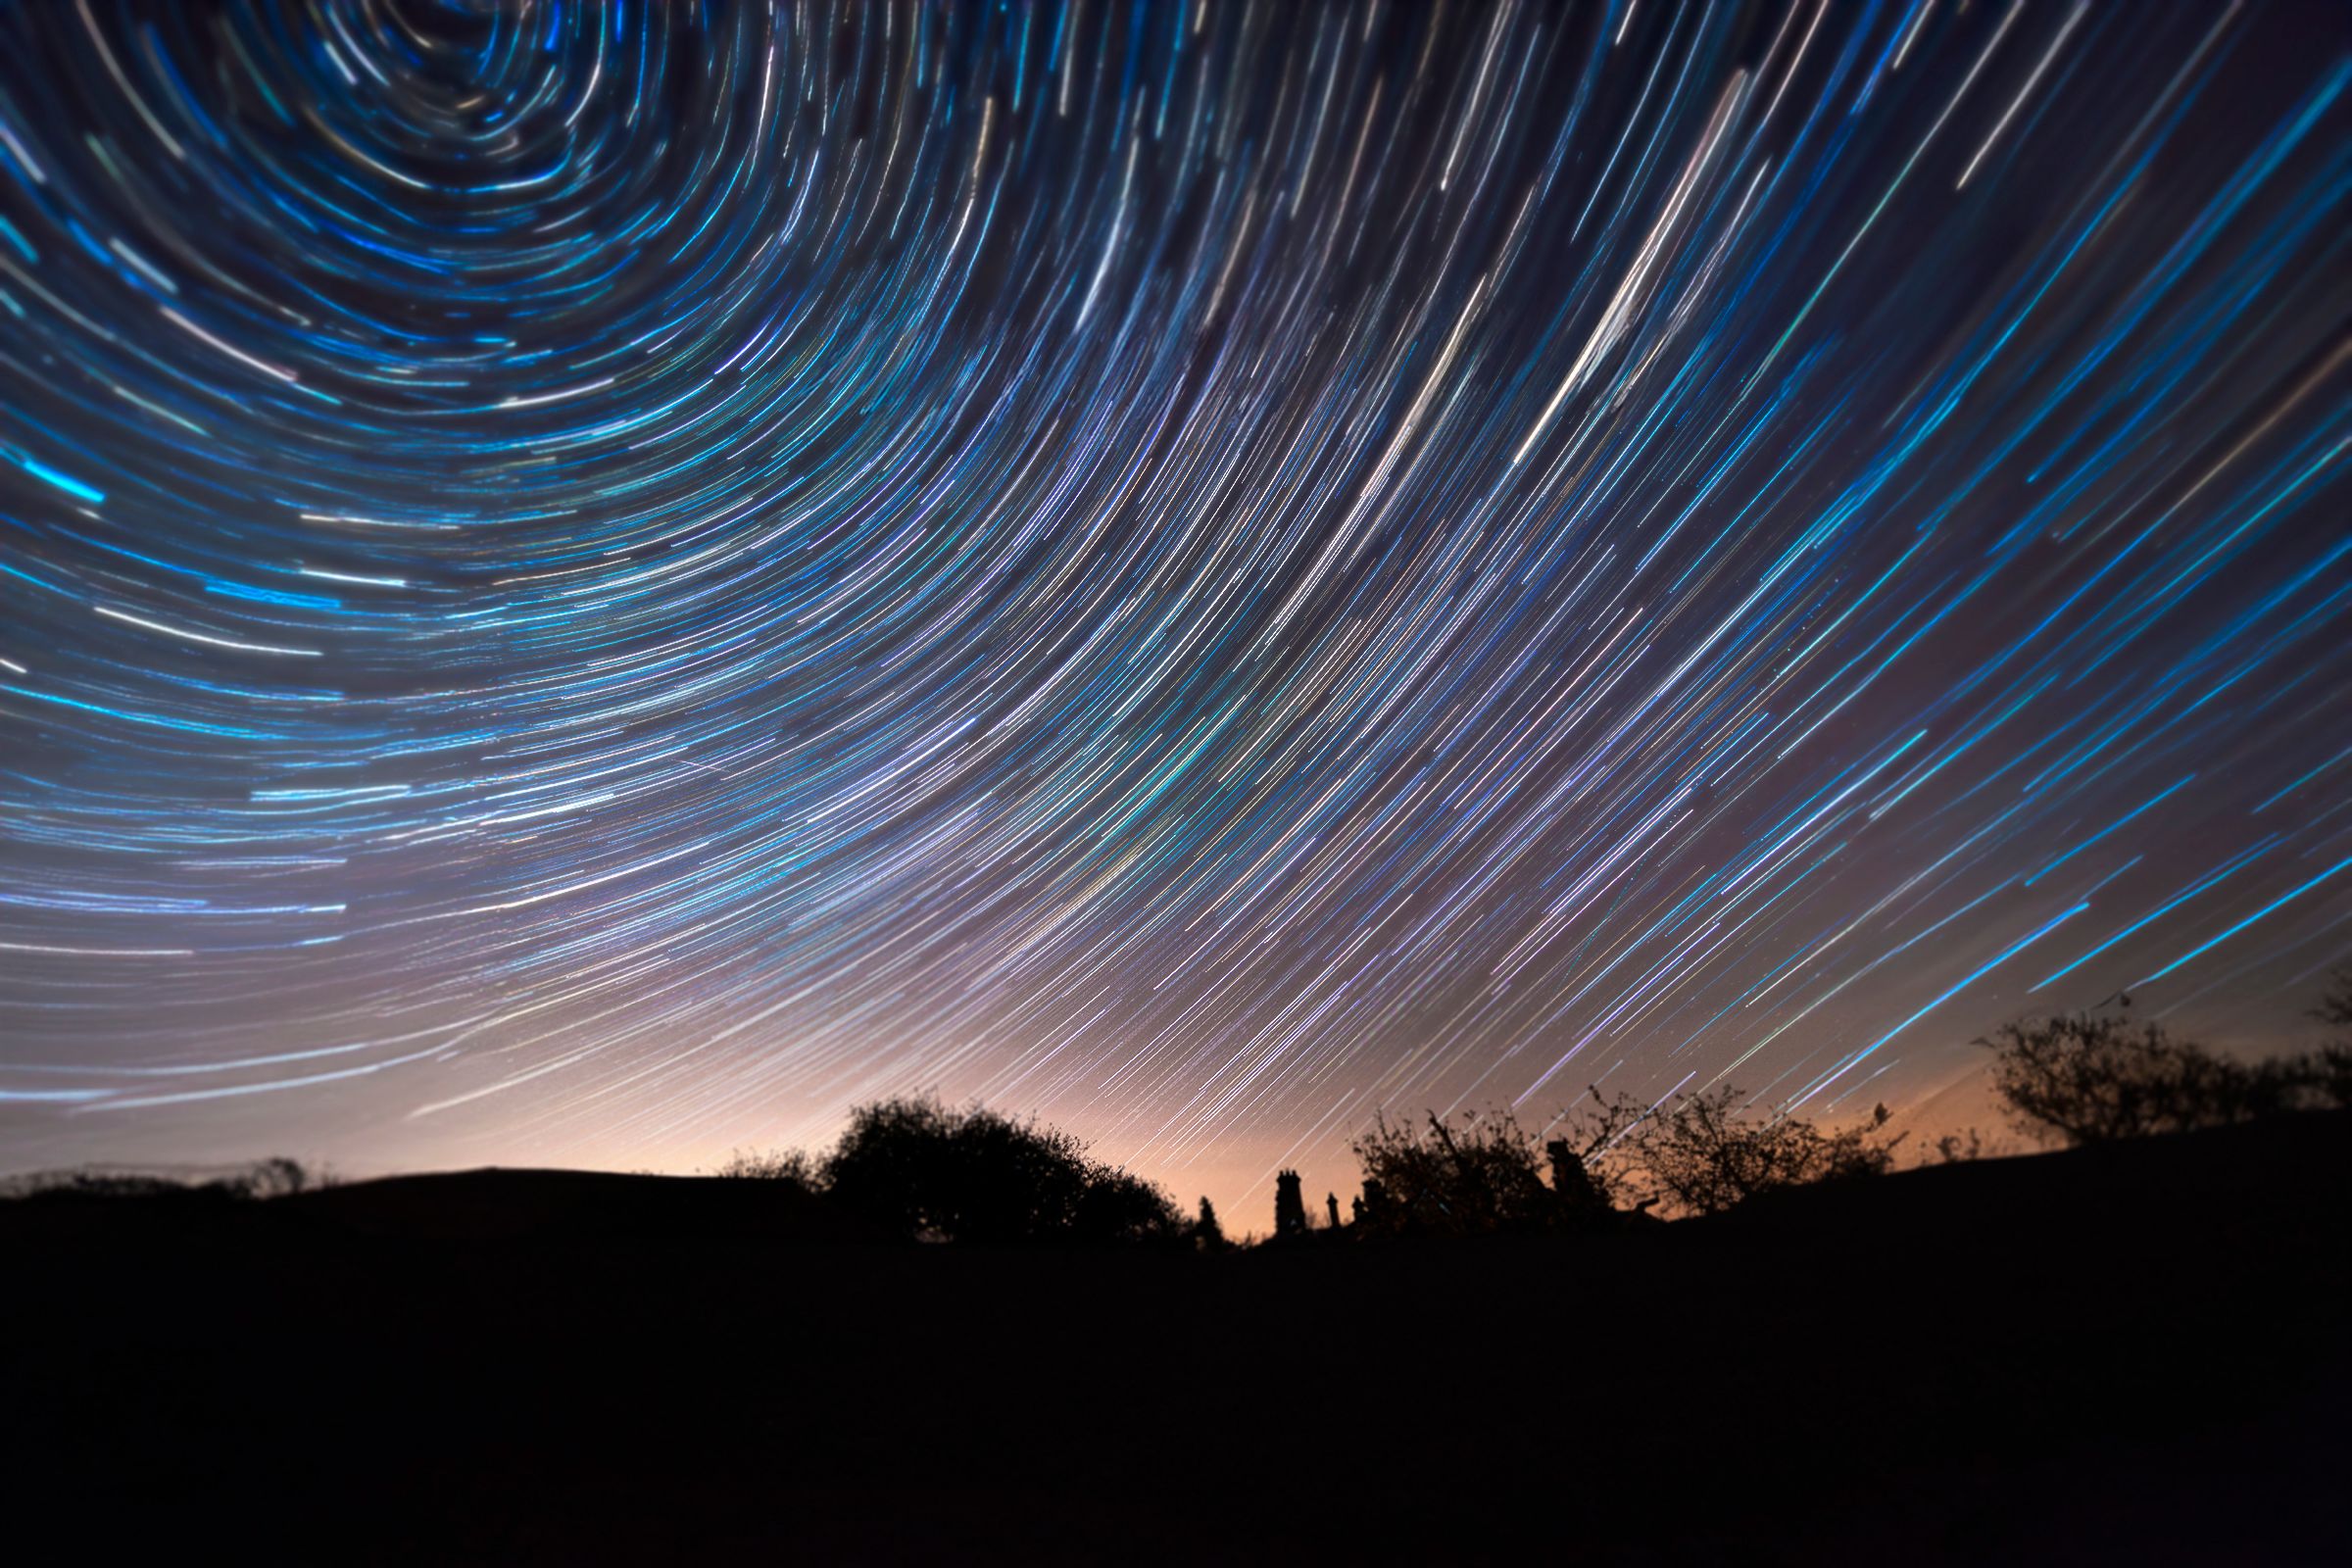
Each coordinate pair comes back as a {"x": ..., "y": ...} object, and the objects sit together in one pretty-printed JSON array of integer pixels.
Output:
[
  {"x": 1571, "y": 1185},
  {"x": 1289, "y": 1207}
]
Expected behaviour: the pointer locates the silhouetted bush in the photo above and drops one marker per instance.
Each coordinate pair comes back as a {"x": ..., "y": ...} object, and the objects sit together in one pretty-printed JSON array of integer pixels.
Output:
[
  {"x": 1208, "y": 1235},
  {"x": 1479, "y": 1175},
  {"x": 1115, "y": 1205},
  {"x": 94, "y": 1184},
  {"x": 792, "y": 1166},
  {"x": 1699, "y": 1155},
  {"x": 1958, "y": 1147},
  {"x": 274, "y": 1177},
  {"x": 2094, "y": 1078},
  {"x": 915, "y": 1167},
  {"x": 2329, "y": 1067},
  {"x": 2335, "y": 1003}
]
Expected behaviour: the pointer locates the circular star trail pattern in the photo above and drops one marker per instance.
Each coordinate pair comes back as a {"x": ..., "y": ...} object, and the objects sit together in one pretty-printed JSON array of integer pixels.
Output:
[{"x": 611, "y": 578}]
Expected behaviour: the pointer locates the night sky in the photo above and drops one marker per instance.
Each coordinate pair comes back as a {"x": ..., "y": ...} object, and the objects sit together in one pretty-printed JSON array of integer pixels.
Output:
[{"x": 594, "y": 583}]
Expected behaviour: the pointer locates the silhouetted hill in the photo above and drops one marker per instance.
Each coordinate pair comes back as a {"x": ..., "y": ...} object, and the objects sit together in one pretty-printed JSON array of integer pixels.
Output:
[
  {"x": 495, "y": 1204},
  {"x": 2131, "y": 1353},
  {"x": 2297, "y": 1165},
  {"x": 458, "y": 1206}
]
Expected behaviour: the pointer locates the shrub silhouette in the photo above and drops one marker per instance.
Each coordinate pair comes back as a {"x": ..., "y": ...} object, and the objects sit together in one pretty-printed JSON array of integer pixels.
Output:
[
  {"x": 2328, "y": 1070},
  {"x": 1117, "y": 1206},
  {"x": 790, "y": 1165},
  {"x": 1208, "y": 1235},
  {"x": 1700, "y": 1155},
  {"x": 2093, "y": 1078},
  {"x": 1477, "y": 1176},
  {"x": 913, "y": 1166},
  {"x": 274, "y": 1177},
  {"x": 1958, "y": 1147},
  {"x": 1480, "y": 1174},
  {"x": 2335, "y": 1003}
]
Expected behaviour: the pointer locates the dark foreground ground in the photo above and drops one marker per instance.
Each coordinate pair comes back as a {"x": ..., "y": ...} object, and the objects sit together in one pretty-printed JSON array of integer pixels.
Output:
[{"x": 2130, "y": 1355}]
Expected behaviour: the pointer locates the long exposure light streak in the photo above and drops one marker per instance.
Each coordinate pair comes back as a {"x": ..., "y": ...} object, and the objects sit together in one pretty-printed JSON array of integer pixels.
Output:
[{"x": 601, "y": 580}]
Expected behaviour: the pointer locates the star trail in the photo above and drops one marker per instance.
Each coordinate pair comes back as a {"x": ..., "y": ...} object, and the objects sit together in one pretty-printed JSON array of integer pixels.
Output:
[{"x": 601, "y": 582}]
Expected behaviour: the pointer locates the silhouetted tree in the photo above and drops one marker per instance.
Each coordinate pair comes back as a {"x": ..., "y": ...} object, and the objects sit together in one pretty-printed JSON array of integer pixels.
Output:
[
  {"x": 2335, "y": 1003},
  {"x": 2093, "y": 1078},
  {"x": 2328, "y": 1070},
  {"x": 1289, "y": 1207},
  {"x": 2087, "y": 1078},
  {"x": 274, "y": 1177},
  {"x": 913, "y": 1166},
  {"x": 1208, "y": 1235}
]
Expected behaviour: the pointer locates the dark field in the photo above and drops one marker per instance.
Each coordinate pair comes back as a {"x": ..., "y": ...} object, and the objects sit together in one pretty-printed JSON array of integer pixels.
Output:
[{"x": 2129, "y": 1354}]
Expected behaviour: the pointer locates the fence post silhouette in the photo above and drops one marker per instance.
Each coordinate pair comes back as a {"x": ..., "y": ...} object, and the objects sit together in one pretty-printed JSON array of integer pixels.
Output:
[{"x": 1571, "y": 1185}]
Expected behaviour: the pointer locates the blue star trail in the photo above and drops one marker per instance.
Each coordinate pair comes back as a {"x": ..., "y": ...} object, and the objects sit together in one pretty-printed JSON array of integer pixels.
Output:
[{"x": 601, "y": 582}]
